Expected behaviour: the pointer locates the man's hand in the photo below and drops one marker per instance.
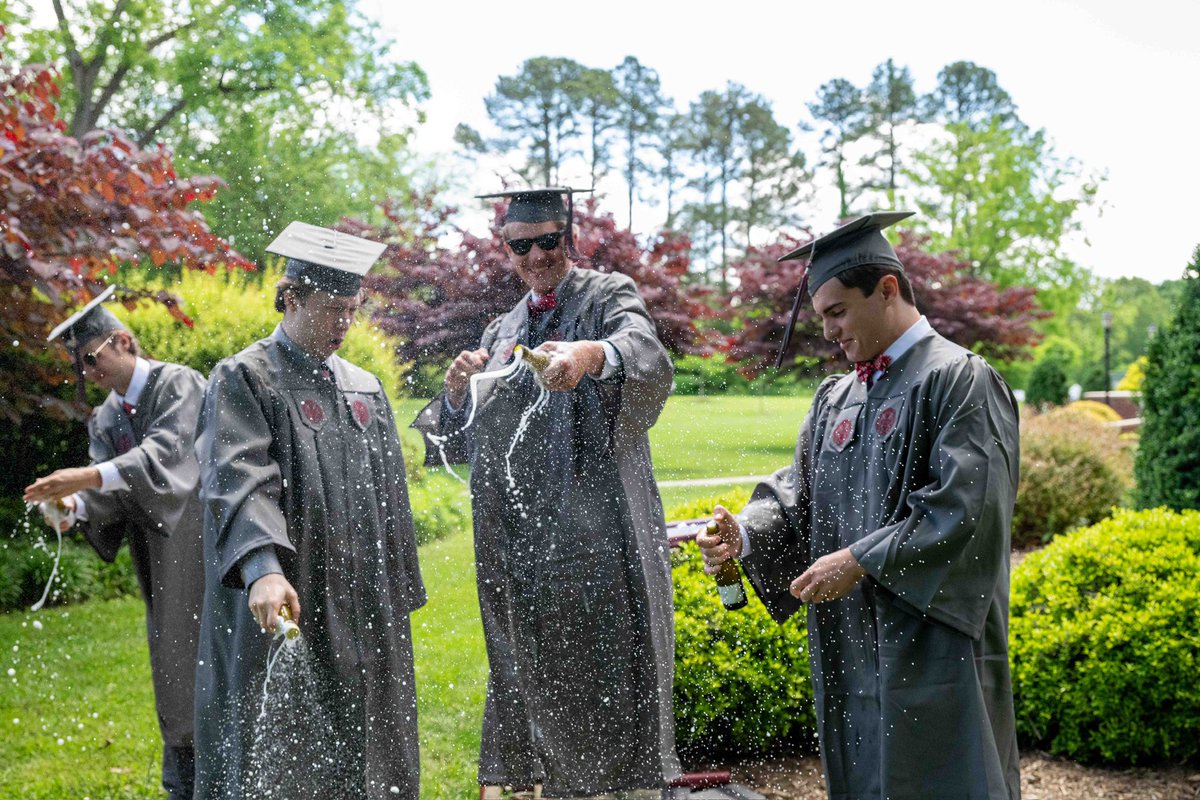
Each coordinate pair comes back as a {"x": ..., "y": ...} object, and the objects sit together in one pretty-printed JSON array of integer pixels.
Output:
[
  {"x": 62, "y": 482},
  {"x": 725, "y": 545},
  {"x": 270, "y": 593},
  {"x": 829, "y": 578},
  {"x": 458, "y": 377},
  {"x": 569, "y": 362}
]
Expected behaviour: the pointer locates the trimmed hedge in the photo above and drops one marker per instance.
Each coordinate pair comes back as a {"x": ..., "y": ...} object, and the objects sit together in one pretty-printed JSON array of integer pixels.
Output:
[
  {"x": 741, "y": 681},
  {"x": 1105, "y": 640},
  {"x": 1074, "y": 470}
]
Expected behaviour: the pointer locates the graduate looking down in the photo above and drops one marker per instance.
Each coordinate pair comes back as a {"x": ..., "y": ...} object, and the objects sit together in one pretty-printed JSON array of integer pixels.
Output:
[
  {"x": 306, "y": 506},
  {"x": 893, "y": 525},
  {"x": 141, "y": 489}
]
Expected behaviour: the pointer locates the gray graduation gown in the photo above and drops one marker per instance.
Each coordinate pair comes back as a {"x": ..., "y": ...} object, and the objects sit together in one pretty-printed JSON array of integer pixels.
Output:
[
  {"x": 313, "y": 468},
  {"x": 159, "y": 515},
  {"x": 572, "y": 567},
  {"x": 917, "y": 477}
]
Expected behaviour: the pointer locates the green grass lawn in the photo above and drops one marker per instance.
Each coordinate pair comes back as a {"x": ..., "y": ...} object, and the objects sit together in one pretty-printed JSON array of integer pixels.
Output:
[{"x": 709, "y": 437}]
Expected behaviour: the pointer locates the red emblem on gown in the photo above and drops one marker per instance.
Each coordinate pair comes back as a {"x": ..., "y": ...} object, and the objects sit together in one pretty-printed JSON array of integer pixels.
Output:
[
  {"x": 362, "y": 414},
  {"x": 841, "y": 434},
  {"x": 312, "y": 411},
  {"x": 124, "y": 443},
  {"x": 885, "y": 421}
]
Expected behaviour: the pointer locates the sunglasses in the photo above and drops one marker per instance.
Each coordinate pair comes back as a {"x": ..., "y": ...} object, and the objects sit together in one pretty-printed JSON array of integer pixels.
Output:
[
  {"x": 547, "y": 242},
  {"x": 90, "y": 358}
]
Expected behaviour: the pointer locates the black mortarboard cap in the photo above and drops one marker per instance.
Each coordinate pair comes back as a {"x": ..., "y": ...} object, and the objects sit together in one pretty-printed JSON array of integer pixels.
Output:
[
  {"x": 541, "y": 205},
  {"x": 330, "y": 260},
  {"x": 87, "y": 323},
  {"x": 858, "y": 243}
]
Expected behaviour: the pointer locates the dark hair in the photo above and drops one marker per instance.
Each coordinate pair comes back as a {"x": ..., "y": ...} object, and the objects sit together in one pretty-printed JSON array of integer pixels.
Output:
[
  {"x": 866, "y": 278},
  {"x": 299, "y": 291}
]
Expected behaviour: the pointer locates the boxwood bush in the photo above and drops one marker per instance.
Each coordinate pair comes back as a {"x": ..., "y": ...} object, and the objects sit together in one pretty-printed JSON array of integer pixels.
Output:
[
  {"x": 1074, "y": 470},
  {"x": 1105, "y": 640},
  {"x": 741, "y": 681}
]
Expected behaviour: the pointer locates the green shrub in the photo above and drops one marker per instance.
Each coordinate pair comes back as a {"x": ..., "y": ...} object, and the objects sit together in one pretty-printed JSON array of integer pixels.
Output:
[
  {"x": 1105, "y": 641},
  {"x": 698, "y": 375},
  {"x": 1168, "y": 465},
  {"x": 27, "y": 549},
  {"x": 440, "y": 505},
  {"x": 1047, "y": 384},
  {"x": 741, "y": 681},
  {"x": 733, "y": 500},
  {"x": 1073, "y": 471},
  {"x": 231, "y": 312}
]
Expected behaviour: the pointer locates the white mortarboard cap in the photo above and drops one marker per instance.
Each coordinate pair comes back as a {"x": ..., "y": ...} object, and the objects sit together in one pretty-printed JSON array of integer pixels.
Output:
[{"x": 330, "y": 260}]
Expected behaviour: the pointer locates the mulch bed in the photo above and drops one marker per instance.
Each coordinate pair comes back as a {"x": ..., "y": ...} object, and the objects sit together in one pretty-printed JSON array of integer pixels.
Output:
[{"x": 1043, "y": 777}]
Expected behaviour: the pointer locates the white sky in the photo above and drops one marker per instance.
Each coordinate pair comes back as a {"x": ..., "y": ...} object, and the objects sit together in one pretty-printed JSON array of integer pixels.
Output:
[{"x": 1114, "y": 84}]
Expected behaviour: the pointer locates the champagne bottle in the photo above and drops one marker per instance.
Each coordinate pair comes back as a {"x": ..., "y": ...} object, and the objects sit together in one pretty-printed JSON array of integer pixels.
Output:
[
  {"x": 284, "y": 626},
  {"x": 536, "y": 361},
  {"x": 729, "y": 578}
]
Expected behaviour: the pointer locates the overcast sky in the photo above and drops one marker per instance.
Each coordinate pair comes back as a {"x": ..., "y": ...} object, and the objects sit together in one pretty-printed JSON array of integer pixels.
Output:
[{"x": 1114, "y": 84}]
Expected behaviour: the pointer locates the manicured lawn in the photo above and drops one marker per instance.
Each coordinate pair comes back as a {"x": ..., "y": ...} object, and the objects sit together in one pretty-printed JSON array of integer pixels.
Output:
[
  {"x": 708, "y": 437},
  {"x": 77, "y": 711}
]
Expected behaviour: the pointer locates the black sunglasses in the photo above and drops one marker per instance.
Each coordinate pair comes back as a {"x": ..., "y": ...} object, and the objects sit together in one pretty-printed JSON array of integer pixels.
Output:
[
  {"x": 90, "y": 358},
  {"x": 547, "y": 242}
]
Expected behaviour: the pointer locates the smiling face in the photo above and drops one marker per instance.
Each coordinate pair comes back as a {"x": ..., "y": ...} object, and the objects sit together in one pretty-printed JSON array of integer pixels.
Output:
[
  {"x": 863, "y": 326},
  {"x": 540, "y": 270},
  {"x": 319, "y": 322}
]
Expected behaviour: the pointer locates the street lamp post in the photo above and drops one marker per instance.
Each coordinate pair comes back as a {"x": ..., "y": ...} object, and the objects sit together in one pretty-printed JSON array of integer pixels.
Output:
[{"x": 1107, "y": 317}]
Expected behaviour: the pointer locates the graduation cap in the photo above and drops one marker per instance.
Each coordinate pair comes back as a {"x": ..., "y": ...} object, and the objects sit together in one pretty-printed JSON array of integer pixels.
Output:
[
  {"x": 858, "y": 243},
  {"x": 87, "y": 323},
  {"x": 332, "y": 261},
  {"x": 542, "y": 205}
]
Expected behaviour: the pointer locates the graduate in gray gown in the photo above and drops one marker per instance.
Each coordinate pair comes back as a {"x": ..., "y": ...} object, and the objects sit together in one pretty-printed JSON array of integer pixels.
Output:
[
  {"x": 893, "y": 526},
  {"x": 141, "y": 488},
  {"x": 571, "y": 551},
  {"x": 306, "y": 506}
]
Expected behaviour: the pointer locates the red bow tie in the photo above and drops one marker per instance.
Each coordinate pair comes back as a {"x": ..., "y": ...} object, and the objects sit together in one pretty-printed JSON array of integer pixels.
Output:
[
  {"x": 543, "y": 303},
  {"x": 865, "y": 369},
  {"x": 129, "y": 408}
]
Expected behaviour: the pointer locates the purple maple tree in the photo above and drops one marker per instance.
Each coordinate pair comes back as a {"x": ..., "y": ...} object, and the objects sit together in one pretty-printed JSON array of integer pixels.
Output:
[{"x": 995, "y": 322}]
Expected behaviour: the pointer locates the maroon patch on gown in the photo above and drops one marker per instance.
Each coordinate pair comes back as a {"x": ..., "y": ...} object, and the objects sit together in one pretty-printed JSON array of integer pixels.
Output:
[
  {"x": 124, "y": 443},
  {"x": 841, "y": 434},
  {"x": 508, "y": 351},
  {"x": 312, "y": 411},
  {"x": 885, "y": 421},
  {"x": 362, "y": 413}
]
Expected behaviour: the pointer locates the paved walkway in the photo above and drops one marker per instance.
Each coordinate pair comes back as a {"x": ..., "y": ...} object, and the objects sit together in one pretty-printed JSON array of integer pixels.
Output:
[{"x": 715, "y": 481}]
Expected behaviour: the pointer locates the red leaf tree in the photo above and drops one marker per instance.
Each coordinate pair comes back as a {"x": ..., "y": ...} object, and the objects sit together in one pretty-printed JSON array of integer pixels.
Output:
[
  {"x": 995, "y": 322},
  {"x": 438, "y": 297},
  {"x": 73, "y": 210}
]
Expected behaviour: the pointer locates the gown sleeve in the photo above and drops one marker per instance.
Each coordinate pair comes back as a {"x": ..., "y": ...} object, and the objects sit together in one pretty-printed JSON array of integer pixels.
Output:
[
  {"x": 646, "y": 370},
  {"x": 240, "y": 482}
]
